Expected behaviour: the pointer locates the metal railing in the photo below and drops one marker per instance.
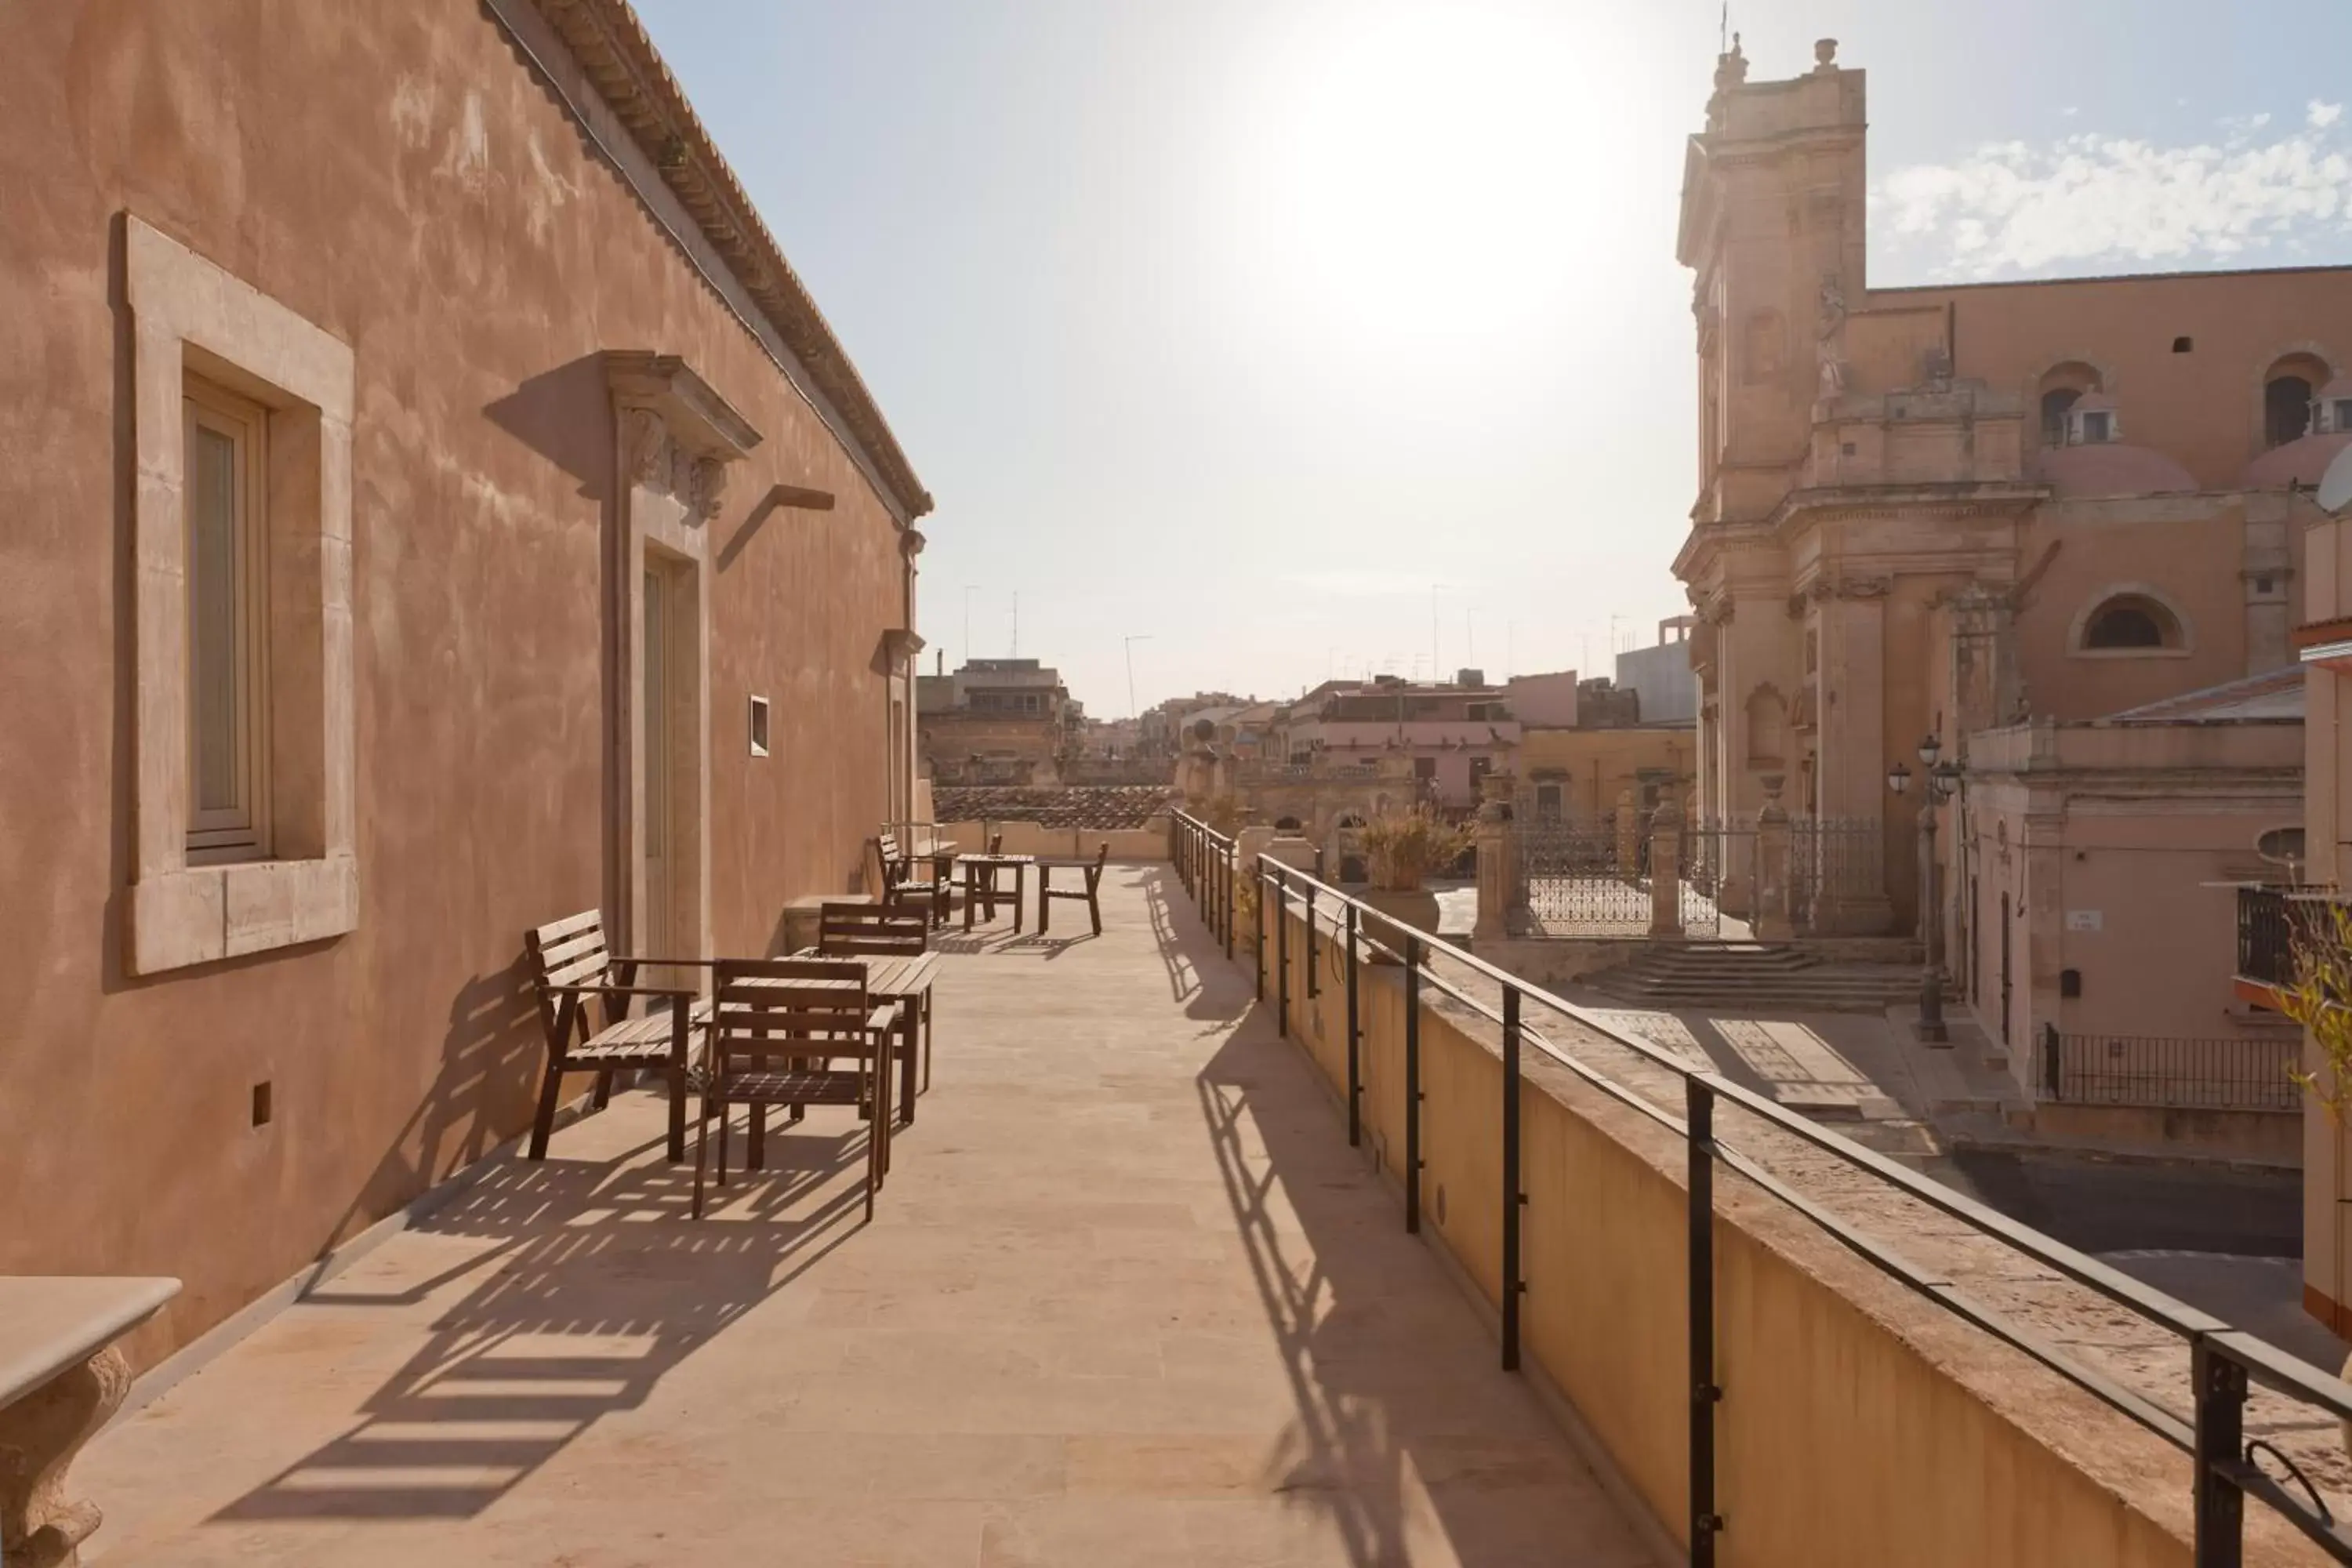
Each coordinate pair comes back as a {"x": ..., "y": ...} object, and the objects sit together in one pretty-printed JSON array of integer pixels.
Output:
[
  {"x": 2171, "y": 1072},
  {"x": 2224, "y": 1361},
  {"x": 1204, "y": 860},
  {"x": 2272, "y": 922},
  {"x": 1829, "y": 858}
]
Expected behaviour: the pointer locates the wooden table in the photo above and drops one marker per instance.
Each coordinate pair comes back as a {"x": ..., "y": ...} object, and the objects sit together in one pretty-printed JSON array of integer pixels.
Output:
[{"x": 978, "y": 869}]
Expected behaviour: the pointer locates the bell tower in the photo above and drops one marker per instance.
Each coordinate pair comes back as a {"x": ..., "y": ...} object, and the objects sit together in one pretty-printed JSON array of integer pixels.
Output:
[{"x": 1772, "y": 213}]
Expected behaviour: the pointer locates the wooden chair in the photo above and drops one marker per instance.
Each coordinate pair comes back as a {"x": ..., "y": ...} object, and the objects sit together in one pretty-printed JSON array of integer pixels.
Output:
[
  {"x": 1091, "y": 891},
  {"x": 899, "y": 890},
  {"x": 777, "y": 1027},
  {"x": 862, "y": 931},
  {"x": 571, "y": 966}
]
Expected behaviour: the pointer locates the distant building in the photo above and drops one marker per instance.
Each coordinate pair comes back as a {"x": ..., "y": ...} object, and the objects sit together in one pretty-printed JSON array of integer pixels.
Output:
[
  {"x": 996, "y": 721},
  {"x": 1662, "y": 676},
  {"x": 1588, "y": 744},
  {"x": 1456, "y": 733},
  {"x": 1162, "y": 730}
]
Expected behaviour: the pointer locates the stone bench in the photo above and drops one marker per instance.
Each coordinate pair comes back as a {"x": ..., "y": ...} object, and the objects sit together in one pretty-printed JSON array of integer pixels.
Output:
[{"x": 61, "y": 1376}]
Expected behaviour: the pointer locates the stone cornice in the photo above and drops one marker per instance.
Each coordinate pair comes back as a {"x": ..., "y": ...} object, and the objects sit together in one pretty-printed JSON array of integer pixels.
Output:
[
  {"x": 1988, "y": 499},
  {"x": 612, "y": 47}
]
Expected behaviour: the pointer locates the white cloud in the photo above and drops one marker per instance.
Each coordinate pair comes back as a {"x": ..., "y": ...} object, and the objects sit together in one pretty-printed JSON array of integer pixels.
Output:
[
  {"x": 2094, "y": 200},
  {"x": 2070, "y": 111}
]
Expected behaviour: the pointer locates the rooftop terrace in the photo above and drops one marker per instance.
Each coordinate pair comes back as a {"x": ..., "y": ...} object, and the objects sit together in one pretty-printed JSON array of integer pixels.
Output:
[{"x": 1130, "y": 1297}]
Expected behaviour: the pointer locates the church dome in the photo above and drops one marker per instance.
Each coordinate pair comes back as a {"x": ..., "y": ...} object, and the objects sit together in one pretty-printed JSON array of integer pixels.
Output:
[
  {"x": 2110, "y": 468},
  {"x": 2302, "y": 461}
]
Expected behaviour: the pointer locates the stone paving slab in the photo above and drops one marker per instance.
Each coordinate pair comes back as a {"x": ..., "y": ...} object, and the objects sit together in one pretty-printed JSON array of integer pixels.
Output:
[{"x": 1129, "y": 1299}]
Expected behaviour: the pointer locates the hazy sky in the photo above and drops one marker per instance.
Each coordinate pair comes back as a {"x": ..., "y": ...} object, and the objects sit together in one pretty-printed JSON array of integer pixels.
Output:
[{"x": 1255, "y": 326}]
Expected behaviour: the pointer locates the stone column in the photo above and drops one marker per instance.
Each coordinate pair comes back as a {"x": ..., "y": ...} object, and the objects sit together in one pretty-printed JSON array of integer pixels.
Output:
[
  {"x": 1629, "y": 836},
  {"x": 1770, "y": 921},
  {"x": 1854, "y": 751},
  {"x": 1666, "y": 869}
]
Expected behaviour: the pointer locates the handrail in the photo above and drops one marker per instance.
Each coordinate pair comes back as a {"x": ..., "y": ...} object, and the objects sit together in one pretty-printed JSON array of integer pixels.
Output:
[{"x": 2224, "y": 1359}]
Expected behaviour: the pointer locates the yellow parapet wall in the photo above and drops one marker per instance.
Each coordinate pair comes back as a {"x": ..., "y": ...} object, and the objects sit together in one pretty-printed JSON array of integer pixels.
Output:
[{"x": 1859, "y": 1426}]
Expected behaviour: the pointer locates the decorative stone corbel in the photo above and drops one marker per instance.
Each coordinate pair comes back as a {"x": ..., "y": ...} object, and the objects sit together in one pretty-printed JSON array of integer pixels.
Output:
[{"x": 678, "y": 434}]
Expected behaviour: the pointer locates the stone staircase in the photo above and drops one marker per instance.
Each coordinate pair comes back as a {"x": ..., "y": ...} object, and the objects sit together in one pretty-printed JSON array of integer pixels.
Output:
[{"x": 1753, "y": 974}]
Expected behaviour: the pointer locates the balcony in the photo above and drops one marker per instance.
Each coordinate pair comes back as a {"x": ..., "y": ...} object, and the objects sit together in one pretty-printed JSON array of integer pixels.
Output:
[
  {"x": 1129, "y": 1298},
  {"x": 1224, "y": 1238}
]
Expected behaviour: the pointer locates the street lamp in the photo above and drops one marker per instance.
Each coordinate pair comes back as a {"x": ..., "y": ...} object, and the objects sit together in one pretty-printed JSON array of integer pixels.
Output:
[{"x": 1939, "y": 778}]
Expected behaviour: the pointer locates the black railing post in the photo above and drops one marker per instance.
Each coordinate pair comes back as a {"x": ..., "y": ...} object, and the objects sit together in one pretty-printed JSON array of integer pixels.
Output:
[
  {"x": 1314, "y": 987},
  {"x": 1413, "y": 1084},
  {"x": 2219, "y": 1385},
  {"x": 2054, "y": 1076},
  {"x": 1200, "y": 890},
  {"x": 1355, "y": 1062},
  {"x": 1706, "y": 1524},
  {"x": 1281, "y": 952},
  {"x": 1228, "y": 921},
  {"x": 1257, "y": 923},
  {"x": 1514, "y": 1190}
]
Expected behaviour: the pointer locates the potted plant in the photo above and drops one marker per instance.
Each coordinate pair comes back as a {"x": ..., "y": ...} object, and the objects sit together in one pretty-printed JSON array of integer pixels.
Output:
[
  {"x": 1403, "y": 849},
  {"x": 2319, "y": 996}
]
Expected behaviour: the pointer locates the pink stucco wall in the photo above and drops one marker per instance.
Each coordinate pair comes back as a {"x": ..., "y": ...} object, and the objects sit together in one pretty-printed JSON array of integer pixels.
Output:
[{"x": 398, "y": 176}]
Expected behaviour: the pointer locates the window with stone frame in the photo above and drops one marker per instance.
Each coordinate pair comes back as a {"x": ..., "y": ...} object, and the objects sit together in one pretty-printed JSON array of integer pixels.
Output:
[{"x": 243, "y": 777}]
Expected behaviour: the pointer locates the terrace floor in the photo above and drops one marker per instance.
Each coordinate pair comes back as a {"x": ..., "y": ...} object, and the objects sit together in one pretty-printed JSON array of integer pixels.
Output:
[{"x": 1129, "y": 1298}]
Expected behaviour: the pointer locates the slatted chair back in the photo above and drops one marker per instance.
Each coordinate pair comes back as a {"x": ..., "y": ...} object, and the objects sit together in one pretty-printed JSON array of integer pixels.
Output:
[
  {"x": 891, "y": 870},
  {"x": 571, "y": 951},
  {"x": 871, "y": 931},
  {"x": 766, "y": 1008},
  {"x": 1095, "y": 871}
]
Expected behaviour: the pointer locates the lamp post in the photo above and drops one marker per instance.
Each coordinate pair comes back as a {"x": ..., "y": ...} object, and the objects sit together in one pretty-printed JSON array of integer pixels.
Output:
[{"x": 1938, "y": 781}]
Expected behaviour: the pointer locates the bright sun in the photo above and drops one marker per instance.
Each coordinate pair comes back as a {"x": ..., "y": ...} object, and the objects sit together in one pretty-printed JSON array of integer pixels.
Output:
[{"x": 1420, "y": 176}]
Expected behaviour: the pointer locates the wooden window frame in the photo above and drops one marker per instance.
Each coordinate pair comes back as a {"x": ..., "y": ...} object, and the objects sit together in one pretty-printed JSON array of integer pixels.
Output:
[{"x": 240, "y": 832}]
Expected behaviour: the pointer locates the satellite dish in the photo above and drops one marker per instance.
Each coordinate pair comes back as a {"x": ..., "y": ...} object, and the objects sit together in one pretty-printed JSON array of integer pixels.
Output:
[
  {"x": 2335, "y": 485},
  {"x": 2282, "y": 847}
]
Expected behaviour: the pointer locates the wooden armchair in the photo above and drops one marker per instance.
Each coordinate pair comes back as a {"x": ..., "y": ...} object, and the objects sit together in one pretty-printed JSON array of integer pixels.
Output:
[
  {"x": 571, "y": 966},
  {"x": 1090, "y": 889},
  {"x": 778, "y": 1026},
  {"x": 897, "y": 888},
  {"x": 861, "y": 931}
]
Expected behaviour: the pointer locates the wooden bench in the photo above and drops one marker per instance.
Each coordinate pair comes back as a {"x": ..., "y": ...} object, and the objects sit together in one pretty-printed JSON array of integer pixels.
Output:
[
  {"x": 573, "y": 965},
  {"x": 61, "y": 1376}
]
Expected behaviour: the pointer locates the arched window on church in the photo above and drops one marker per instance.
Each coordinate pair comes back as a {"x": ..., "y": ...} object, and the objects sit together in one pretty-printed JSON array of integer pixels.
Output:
[
  {"x": 2131, "y": 621},
  {"x": 2286, "y": 409},
  {"x": 2289, "y": 386},
  {"x": 2061, "y": 386},
  {"x": 2055, "y": 404}
]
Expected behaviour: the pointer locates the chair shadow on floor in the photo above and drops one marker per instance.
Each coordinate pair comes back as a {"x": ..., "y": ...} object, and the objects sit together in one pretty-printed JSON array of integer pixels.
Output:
[{"x": 593, "y": 1284}]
